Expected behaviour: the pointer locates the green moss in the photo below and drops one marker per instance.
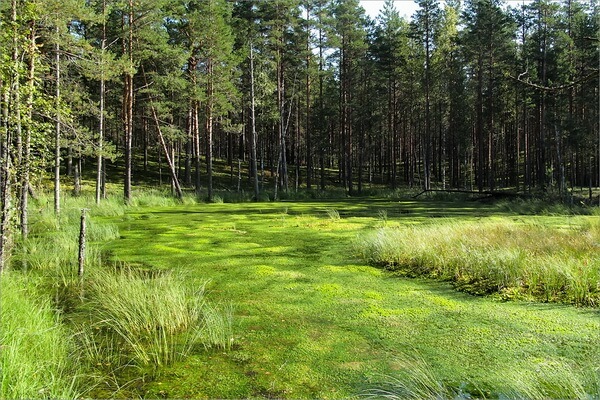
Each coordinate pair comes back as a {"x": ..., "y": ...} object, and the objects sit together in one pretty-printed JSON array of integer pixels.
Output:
[{"x": 313, "y": 321}]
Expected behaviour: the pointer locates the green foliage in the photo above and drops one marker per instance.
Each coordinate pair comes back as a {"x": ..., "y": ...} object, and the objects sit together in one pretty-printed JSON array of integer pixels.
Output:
[
  {"x": 37, "y": 359},
  {"x": 154, "y": 318},
  {"x": 550, "y": 264}
]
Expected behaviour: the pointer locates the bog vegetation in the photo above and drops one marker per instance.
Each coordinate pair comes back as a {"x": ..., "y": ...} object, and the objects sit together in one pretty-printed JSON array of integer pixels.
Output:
[
  {"x": 179, "y": 125},
  {"x": 513, "y": 259},
  {"x": 275, "y": 299}
]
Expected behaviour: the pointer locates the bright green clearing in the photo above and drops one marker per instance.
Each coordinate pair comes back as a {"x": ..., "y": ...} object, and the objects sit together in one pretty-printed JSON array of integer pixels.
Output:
[{"x": 312, "y": 321}]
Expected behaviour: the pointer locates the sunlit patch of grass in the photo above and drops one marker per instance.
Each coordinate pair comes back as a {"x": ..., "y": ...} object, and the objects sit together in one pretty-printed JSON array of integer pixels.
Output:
[
  {"x": 312, "y": 321},
  {"x": 37, "y": 357},
  {"x": 508, "y": 258},
  {"x": 156, "y": 319}
]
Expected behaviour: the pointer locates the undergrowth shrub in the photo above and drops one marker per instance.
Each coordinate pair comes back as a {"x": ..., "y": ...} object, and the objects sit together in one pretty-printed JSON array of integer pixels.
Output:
[
  {"x": 529, "y": 260},
  {"x": 37, "y": 357}
]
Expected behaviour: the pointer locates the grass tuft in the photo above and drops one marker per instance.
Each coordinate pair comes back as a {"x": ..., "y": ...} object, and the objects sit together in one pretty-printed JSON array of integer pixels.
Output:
[
  {"x": 333, "y": 214},
  {"x": 156, "y": 319},
  {"x": 549, "y": 264},
  {"x": 36, "y": 357},
  {"x": 416, "y": 379}
]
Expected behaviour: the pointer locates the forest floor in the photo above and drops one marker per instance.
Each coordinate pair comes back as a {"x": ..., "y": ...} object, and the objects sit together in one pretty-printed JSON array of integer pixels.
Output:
[{"x": 313, "y": 321}]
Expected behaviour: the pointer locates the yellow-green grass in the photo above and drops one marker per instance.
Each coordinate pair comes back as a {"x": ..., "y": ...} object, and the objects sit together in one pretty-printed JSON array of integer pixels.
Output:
[
  {"x": 312, "y": 320},
  {"x": 63, "y": 335},
  {"x": 37, "y": 356},
  {"x": 512, "y": 258}
]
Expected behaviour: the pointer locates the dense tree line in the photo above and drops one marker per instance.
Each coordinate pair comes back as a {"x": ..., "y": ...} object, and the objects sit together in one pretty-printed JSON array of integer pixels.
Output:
[{"x": 473, "y": 95}]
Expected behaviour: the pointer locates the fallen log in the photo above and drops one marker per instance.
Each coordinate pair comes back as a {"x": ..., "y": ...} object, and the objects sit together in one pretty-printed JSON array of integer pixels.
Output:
[{"x": 484, "y": 193}]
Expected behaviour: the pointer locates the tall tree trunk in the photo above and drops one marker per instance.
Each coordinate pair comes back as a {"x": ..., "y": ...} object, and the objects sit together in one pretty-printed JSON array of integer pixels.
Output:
[
  {"x": 253, "y": 136},
  {"x": 209, "y": 128},
  {"x": 308, "y": 132},
  {"x": 28, "y": 133},
  {"x": 99, "y": 158},
  {"x": 128, "y": 105}
]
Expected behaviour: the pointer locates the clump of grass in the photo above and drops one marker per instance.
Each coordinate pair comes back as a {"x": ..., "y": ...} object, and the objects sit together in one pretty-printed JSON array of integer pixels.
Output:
[
  {"x": 416, "y": 379},
  {"x": 153, "y": 198},
  {"x": 218, "y": 326},
  {"x": 156, "y": 318},
  {"x": 333, "y": 214},
  {"x": 36, "y": 356},
  {"x": 549, "y": 264},
  {"x": 541, "y": 207},
  {"x": 552, "y": 379}
]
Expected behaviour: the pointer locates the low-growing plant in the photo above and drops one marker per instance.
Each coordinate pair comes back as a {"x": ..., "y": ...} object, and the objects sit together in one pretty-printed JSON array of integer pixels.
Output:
[
  {"x": 36, "y": 351},
  {"x": 333, "y": 214},
  {"x": 552, "y": 379},
  {"x": 158, "y": 319},
  {"x": 416, "y": 379},
  {"x": 218, "y": 326},
  {"x": 549, "y": 264}
]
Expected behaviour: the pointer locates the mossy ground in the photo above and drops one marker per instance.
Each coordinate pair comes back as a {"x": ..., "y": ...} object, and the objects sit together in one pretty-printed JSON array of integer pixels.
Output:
[{"x": 311, "y": 321}]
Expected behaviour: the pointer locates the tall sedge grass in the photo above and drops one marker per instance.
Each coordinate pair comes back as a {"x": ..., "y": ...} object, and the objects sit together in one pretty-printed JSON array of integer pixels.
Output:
[
  {"x": 549, "y": 264},
  {"x": 154, "y": 319},
  {"x": 36, "y": 353},
  {"x": 415, "y": 380},
  {"x": 551, "y": 379}
]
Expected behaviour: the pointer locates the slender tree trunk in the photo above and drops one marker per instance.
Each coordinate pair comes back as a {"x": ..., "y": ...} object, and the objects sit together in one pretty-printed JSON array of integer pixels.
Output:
[
  {"x": 309, "y": 155},
  {"x": 428, "y": 136},
  {"x": 28, "y": 132},
  {"x": 209, "y": 128},
  {"x": 479, "y": 124},
  {"x": 196, "y": 132},
  {"x": 5, "y": 176},
  {"x": 99, "y": 158},
  {"x": 128, "y": 105},
  {"x": 253, "y": 136}
]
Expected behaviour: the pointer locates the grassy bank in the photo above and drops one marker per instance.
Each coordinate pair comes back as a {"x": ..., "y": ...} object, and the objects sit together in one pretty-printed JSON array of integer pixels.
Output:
[
  {"x": 526, "y": 259},
  {"x": 103, "y": 334},
  {"x": 37, "y": 356},
  {"x": 313, "y": 321}
]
